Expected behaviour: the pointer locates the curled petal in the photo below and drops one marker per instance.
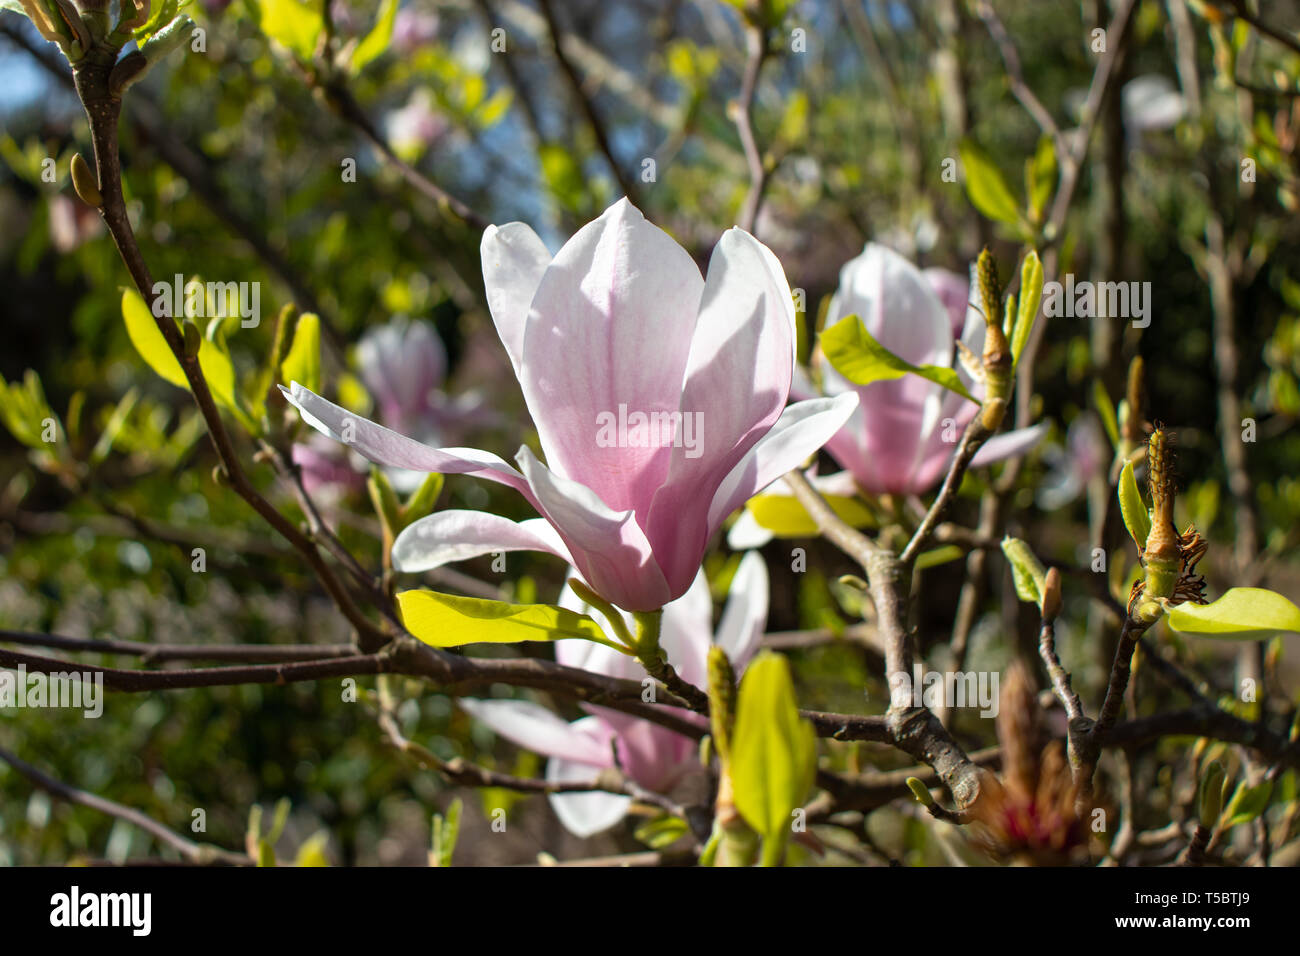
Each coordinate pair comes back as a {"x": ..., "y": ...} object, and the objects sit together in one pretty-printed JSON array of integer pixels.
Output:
[
  {"x": 384, "y": 446},
  {"x": 455, "y": 535}
]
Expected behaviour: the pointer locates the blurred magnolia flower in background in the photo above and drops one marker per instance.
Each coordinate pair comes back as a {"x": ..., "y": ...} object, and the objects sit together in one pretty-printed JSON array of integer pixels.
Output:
[
  {"x": 403, "y": 365},
  {"x": 413, "y": 29},
  {"x": 1086, "y": 452},
  {"x": 1151, "y": 102},
  {"x": 621, "y": 319},
  {"x": 72, "y": 223},
  {"x": 904, "y": 433},
  {"x": 651, "y": 756},
  {"x": 415, "y": 127}
]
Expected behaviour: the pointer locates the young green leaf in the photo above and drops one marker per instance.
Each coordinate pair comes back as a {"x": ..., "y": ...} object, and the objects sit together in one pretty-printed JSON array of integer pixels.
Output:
[
  {"x": 1243, "y": 614},
  {"x": 1040, "y": 177},
  {"x": 377, "y": 40},
  {"x": 144, "y": 334},
  {"x": 302, "y": 364},
  {"x": 1248, "y": 802},
  {"x": 1134, "y": 512},
  {"x": 773, "y": 753},
  {"x": 312, "y": 851},
  {"x": 1026, "y": 570},
  {"x": 1031, "y": 293},
  {"x": 1106, "y": 409},
  {"x": 448, "y": 620},
  {"x": 294, "y": 24},
  {"x": 987, "y": 189},
  {"x": 786, "y": 518},
  {"x": 856, "y": 355}
]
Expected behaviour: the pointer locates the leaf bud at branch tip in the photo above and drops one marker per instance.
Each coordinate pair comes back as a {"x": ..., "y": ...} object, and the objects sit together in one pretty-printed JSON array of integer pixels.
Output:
[{"x": 1051, "y": 595}]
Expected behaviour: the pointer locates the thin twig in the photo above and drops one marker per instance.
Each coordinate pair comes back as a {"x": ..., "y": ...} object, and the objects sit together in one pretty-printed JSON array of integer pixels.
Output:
[{"x": 193, "y": 852}]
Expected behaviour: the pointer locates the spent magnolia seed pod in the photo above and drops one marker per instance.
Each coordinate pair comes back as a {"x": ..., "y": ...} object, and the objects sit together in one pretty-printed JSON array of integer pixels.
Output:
[{"x": 83, "y": 181}]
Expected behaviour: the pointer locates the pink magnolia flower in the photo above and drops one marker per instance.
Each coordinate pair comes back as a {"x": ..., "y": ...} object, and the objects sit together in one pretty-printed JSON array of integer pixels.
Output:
[
  {"x": 416, "y": 126},
  {"x": 652, "y": 756},
  {"x": 904, "y": 433},
  {"x": 413, "y": 29},
  {"x": 403, "y": 365},
  {"x": 620, "y": 327}
]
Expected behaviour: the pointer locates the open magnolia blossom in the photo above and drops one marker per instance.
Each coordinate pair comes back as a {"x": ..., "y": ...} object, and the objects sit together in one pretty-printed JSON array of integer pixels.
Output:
[
  {"x": 620, "y": 326},
  {"x": 904, "y": 433},
  {"x": 652, "y": 756}
]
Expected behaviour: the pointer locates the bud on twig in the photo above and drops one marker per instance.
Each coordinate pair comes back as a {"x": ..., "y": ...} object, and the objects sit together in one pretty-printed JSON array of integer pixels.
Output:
[
  {"x": 1211, "y": 802},
  {"x": 1051, "y": 594},
  {"x": 997, "y": 353},
  {"x": 83, "y": 181}
]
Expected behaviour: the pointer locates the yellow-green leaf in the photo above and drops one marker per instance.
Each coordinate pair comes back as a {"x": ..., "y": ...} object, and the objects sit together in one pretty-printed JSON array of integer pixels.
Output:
[
  {"x": 1244, "y": 614},
  {"x": 1131, "y": 508},
  {"x": 1248, "y": 802},
  {"x": 1026, "y": 570},
  {"x": 786, "y": 518},
  {"x": 294, "y": 24},
  {"x": 773, "y": 753},
  {"x": 448, "y": 620},
  {"x": 1031, "y": 292},
  {"x": 302, "y": 364},
  {"x": 377, "y": 40},
  {"x": 987, "y": 189},
  {"x": 143, "y": 331},
  {"x": 856, "y": 355}
]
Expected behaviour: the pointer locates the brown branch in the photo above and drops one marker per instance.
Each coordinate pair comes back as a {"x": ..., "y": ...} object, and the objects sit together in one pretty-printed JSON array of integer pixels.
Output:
[
  {"x": 576, "y": 85},
  {"x": 103, "y": 107},
  {"x": 159, "y": 653},
  {"x": 199, "y": 853}
]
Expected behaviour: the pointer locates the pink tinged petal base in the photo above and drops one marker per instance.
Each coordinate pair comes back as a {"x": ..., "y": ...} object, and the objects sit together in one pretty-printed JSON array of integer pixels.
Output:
[
  {"x": 802, "y": 429},
  {"x": 608, "y": 547},
  {"x": 455, "y": 535},
  {"x": 535, "y": 728},
  {"x": 737, "y": 382},
  {"x": 384, "y": 446}
]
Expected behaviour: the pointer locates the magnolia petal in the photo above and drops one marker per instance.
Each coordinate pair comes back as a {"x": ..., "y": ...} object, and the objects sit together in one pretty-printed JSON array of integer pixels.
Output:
[
  {"x": 687, "y": 631},
  {"x": 1009, "y": 445},
  {"x": 584, "y": 814},
  {"x": 535, "y": 728},
  {"x": 747, "y": 533},
  {"x": 745, "y": 616},
  {"x": 514, "y": 260},
  {"x": 802, "y": 429},
  {"x": 737, "y": 382},
  {"x": 448, "y": 536},
  {"x": 608, "y": 336},
  {"x": 607, "y": 546},
  {"x": 897, "y": 304},
  {"x": 387, "y": 447}
]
